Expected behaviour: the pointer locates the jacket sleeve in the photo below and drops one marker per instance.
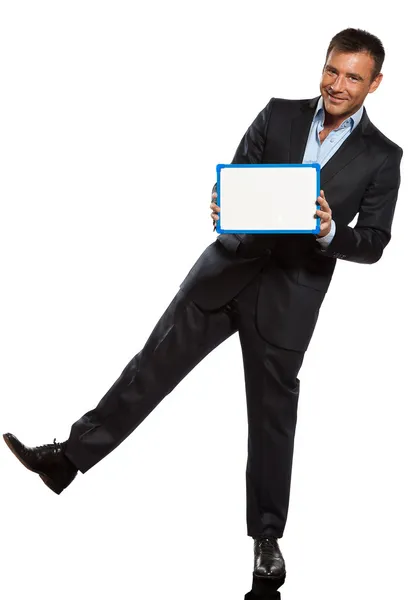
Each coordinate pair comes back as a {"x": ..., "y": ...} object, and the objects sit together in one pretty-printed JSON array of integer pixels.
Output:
[
  {"x": 366, "y": 242},
  {"x": 252, "y": 145}
]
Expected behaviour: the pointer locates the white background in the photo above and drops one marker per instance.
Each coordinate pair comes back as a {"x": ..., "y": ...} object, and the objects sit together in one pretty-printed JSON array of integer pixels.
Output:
[{"x": 114, "y": 116}]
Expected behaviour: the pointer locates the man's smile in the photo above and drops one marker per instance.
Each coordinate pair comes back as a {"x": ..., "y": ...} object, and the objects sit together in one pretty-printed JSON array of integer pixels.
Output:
[{"x": 335, "y": 99}]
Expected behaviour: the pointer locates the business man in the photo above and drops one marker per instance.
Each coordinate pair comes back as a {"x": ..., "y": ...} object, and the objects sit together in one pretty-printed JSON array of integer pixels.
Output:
[{"x": 267, "y": 288}]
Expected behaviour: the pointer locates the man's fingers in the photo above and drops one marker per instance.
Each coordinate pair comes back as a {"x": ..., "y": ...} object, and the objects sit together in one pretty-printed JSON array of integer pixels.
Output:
[
  {"x": 323, "y": 203},
  {"x": 215, "y": 208},
  {"x": 324, "y": 215}
]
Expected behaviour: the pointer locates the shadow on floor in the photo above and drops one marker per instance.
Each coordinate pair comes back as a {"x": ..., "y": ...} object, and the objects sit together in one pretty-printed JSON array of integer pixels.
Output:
[{"x": 265, "y": 589}]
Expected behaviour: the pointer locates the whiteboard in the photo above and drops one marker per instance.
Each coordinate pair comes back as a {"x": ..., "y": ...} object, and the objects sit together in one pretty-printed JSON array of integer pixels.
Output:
[{"x": 268, "y": 198}]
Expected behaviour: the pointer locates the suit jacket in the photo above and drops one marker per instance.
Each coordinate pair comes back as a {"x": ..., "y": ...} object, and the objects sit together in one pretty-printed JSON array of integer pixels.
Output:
[{"x": 362, "y": 177}]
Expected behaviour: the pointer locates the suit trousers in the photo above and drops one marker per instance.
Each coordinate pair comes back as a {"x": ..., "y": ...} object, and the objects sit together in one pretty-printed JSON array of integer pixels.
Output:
[{"x": 183, "y": 336}]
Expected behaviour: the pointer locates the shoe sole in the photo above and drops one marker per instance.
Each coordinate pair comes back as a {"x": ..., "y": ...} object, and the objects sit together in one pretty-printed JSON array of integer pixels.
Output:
[
  {"x": 271, "y": 577},
  {"x": 49, "y": 482}
]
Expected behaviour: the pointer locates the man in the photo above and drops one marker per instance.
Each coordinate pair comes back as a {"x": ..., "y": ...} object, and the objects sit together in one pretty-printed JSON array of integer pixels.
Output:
[{"x": 267, "y": 288}]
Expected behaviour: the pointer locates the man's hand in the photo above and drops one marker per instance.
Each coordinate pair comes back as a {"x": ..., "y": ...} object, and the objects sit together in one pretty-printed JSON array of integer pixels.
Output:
[
  {"x": 215, "y": 210},
  {"x": 325, "y": 214}
]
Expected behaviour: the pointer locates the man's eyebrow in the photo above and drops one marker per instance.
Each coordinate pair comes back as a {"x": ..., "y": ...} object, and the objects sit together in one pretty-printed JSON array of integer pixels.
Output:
[{"x": 348, "y": 74}]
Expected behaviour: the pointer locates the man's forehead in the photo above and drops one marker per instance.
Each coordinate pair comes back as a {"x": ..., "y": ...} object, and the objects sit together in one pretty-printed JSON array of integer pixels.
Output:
[{"x": 363, "y": 58}]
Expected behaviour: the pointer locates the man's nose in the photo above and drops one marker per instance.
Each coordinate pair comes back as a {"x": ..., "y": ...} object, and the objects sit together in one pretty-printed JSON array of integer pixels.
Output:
[{"x": 338, "y": 84}]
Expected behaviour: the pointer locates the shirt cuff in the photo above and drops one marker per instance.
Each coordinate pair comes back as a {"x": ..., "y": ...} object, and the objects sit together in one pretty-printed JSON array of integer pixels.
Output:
[{"x": 325, "y": 240}]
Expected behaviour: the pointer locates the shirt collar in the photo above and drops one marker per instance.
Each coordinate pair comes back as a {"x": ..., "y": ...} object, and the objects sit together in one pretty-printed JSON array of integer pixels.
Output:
[{"x": 353, "y": 120}]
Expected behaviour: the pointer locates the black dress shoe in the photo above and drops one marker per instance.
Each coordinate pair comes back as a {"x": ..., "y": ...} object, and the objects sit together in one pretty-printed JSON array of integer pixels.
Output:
[
  {"x": 269, "y": 561},
  {"x": 48, "y": 461}
]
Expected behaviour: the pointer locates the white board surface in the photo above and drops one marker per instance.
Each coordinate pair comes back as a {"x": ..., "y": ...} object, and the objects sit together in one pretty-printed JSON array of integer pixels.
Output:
[{"x": 268, "y": 198}]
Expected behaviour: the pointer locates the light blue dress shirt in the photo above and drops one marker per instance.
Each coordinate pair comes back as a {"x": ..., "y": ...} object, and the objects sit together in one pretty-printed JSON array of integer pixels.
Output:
[{"x": 318, "y": 152}]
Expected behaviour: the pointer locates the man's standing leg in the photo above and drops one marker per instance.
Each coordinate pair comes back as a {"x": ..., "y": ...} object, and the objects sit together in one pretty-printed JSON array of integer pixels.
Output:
[{"x": 272, "y": 391}]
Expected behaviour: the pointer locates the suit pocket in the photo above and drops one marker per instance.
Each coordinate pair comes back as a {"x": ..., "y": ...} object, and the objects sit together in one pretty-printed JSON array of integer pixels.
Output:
[
  {"x": 316, "y": 280},
  {"x": 287, "y": 312}
]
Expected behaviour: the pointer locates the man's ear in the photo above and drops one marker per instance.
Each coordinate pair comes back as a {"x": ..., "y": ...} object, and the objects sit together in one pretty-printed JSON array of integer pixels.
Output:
[{"x": 375, "y": 84}]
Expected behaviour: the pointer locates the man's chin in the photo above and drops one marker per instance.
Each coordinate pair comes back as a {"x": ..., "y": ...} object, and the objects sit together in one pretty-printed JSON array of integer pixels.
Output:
[{"x": 335, "y": 109}]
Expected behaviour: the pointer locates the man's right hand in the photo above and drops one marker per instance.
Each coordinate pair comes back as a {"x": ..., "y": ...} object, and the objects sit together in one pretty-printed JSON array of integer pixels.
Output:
[{"x": 215, "y": 210}]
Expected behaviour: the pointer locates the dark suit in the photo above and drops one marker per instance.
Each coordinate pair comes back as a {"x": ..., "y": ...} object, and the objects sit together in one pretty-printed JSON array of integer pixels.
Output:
[{"x": 269, "y": 288}]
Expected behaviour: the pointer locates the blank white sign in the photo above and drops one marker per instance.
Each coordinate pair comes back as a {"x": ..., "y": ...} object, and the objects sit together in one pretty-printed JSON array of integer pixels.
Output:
[{"x": 268, "y": 198}]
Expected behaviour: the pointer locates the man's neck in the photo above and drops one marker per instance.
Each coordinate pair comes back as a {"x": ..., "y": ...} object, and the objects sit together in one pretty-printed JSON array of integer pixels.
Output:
[{"x": 331, "y": 122}]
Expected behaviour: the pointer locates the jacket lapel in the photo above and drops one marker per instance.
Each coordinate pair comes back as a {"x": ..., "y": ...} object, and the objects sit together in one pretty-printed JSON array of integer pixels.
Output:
[
  {"x": 299, "y": 130},
  {"x": 349, "y": 150}
]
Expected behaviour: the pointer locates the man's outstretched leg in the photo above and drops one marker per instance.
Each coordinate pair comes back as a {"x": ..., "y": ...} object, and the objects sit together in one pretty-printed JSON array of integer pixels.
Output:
[{"x": 183, "y": 336}]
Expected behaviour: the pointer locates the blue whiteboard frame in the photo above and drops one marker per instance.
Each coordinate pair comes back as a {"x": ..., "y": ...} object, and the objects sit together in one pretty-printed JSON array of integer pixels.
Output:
[{"x": 219, "y": 167}]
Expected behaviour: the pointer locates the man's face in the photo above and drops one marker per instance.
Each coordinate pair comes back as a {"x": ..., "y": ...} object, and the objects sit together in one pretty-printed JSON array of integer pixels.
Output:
[{"x": 347, "y": 76}]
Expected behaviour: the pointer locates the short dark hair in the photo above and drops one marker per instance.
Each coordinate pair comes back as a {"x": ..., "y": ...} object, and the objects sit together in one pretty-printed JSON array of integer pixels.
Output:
[{"x": 359, "y": 40}]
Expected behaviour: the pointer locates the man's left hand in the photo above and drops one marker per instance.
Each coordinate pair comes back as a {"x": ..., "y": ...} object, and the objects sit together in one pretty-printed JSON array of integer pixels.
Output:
[{"x": 325, "y": 214}]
